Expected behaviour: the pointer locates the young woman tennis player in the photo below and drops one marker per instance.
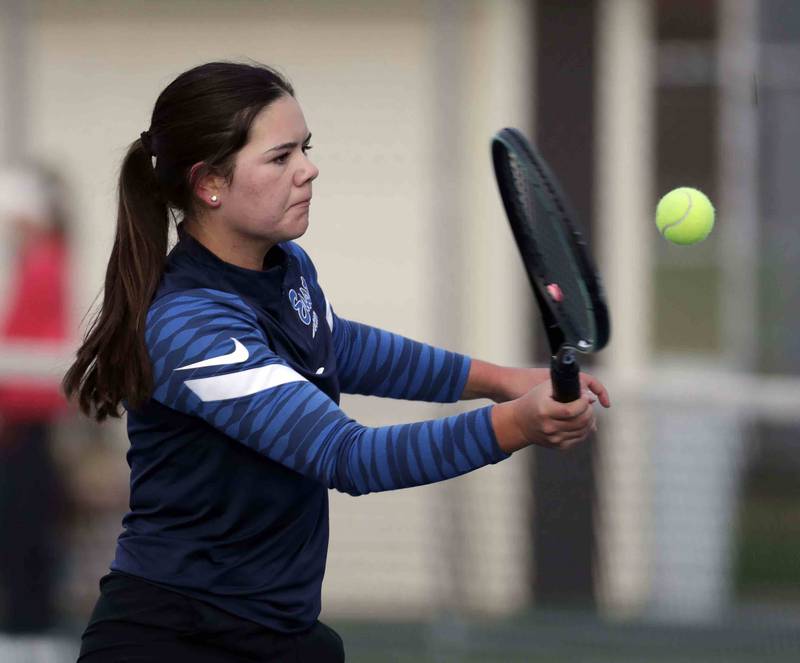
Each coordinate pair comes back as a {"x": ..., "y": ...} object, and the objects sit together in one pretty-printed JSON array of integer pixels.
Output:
[{"x": 230, "y": 360}]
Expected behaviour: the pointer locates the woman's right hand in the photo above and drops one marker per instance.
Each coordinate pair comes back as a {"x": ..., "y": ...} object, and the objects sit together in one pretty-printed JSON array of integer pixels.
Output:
[{"x": 536, "y": 418}]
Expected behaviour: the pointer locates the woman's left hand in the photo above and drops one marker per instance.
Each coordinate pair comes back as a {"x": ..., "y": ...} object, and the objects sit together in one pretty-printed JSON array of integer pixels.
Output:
[
  {"x": 502, "y": 383},
  {"x": 516, "y": 382}
]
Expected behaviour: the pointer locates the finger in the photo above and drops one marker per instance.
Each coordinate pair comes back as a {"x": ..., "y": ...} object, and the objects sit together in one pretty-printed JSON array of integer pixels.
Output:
[
  {"x": 583, "y": 434},
  {"x": 568, "y": 411},
  {"x": 582, "y": 423},
  {"x": 596, "y": 387},
  {"x": 581, "y": 427}
]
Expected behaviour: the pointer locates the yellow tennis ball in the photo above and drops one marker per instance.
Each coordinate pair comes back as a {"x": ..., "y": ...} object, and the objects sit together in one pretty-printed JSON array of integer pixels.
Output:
[{"x": 685, "y": 216}]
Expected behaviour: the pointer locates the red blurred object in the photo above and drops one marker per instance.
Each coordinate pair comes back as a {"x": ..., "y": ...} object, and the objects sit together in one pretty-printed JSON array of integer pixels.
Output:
[{"x": 37, "y": 312}]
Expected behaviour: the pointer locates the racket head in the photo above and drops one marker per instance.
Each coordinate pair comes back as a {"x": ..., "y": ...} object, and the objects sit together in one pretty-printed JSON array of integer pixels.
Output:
[{"x": 565, "y": 281}]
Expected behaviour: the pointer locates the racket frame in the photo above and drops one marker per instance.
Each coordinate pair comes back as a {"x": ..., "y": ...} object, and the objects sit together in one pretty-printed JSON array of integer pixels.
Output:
[{"x": 563, "y": 342}]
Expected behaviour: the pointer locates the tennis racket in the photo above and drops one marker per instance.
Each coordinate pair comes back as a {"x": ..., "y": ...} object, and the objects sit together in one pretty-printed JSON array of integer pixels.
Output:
[{"x": 565, "y": 282}]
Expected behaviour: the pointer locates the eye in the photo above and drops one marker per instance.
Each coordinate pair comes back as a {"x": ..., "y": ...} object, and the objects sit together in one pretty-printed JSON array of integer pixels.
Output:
[
  {"x": 306, "y": 148},
  {"x": 281, "y": 158}
]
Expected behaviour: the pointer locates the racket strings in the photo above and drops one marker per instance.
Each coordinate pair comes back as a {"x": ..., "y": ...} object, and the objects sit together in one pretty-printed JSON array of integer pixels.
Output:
[{"x": 538, "y": 201}]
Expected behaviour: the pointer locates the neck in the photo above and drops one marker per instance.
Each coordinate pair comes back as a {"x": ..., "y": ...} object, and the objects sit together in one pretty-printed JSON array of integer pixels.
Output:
[{"x": 238, "y": 250}]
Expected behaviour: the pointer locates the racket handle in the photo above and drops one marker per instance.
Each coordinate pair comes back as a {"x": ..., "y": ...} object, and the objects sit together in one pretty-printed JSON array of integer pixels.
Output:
[{"x": 565, "y": 376}]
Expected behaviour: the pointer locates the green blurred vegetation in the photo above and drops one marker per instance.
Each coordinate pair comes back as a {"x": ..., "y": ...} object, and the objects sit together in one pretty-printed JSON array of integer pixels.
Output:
[
  {"x": 768, "y": 554},
  {"x": 687, "y": 315}
]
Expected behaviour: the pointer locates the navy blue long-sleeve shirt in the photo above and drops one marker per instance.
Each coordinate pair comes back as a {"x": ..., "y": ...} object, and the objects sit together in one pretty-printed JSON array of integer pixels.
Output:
[{"x": 232, "y": 456}]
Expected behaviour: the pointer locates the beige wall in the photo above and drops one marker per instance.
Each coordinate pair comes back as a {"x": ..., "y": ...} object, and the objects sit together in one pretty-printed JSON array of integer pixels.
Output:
[{"x": 366, "y": 75}]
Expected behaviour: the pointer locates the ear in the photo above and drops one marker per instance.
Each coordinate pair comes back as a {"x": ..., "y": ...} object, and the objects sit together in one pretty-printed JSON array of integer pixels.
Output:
[{"x": 207, "y": 186}]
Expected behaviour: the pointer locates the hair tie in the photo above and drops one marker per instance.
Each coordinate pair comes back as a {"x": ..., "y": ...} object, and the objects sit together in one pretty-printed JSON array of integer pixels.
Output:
[{"x": 147, "y": 142}]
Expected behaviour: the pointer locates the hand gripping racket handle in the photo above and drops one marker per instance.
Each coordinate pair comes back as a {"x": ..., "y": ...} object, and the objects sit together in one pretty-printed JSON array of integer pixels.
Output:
[{"x": 565, "y": 376}]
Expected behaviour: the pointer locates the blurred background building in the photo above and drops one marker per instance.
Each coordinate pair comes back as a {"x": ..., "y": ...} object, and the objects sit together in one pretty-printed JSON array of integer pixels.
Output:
[{"x": 675, "y": 534}]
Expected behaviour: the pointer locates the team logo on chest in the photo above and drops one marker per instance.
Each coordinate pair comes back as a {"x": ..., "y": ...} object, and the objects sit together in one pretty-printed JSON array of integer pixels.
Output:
[{"x": 301, "y": 302}]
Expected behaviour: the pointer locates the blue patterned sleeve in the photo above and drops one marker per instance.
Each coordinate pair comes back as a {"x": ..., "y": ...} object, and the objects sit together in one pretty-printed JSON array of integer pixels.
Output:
[
  {"x": 210, "y": 360},
  {"x": 375, "y": 362}
]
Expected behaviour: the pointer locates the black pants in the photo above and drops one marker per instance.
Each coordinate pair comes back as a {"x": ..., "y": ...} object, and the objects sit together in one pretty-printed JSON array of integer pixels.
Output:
[{"x": 135, "y": 621}]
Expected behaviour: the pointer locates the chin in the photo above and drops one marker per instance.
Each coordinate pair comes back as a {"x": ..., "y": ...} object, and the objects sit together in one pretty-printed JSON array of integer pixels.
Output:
[
  {"x": 297, "y": 228},
  {"x": 290, "y": 227}
]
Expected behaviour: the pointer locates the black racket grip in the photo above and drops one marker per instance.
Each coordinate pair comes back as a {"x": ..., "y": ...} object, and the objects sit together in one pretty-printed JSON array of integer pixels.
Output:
[{"x": 565, "y": 375}]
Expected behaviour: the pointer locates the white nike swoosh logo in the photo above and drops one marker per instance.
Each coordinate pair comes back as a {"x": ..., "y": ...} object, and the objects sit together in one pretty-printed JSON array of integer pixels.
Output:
[
  {"x": 238, "y": 355},
  {"x": 243, "y": 383}
]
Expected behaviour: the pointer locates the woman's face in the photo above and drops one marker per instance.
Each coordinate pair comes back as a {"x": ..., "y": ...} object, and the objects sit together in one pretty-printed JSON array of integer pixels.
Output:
[{"x": 269, "y": 195}]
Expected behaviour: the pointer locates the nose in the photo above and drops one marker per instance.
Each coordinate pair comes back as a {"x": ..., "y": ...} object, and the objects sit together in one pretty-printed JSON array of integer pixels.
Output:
[{"x": 306, "y": 172}]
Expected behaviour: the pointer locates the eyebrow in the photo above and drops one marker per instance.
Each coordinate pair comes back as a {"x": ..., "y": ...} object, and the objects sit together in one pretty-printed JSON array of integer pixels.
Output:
[{"x": 288, "y": 146}]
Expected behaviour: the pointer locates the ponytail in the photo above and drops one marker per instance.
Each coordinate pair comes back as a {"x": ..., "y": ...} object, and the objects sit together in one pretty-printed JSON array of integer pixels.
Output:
[{"x": 112, "y": 364}]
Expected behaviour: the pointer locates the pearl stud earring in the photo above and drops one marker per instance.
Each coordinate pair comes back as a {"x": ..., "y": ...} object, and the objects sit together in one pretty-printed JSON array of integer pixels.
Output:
[{"x": 214, "y": 199}]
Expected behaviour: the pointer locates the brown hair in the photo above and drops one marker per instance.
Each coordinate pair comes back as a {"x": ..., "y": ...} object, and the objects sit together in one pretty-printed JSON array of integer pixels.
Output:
[{"x": 203, "y": 116}]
